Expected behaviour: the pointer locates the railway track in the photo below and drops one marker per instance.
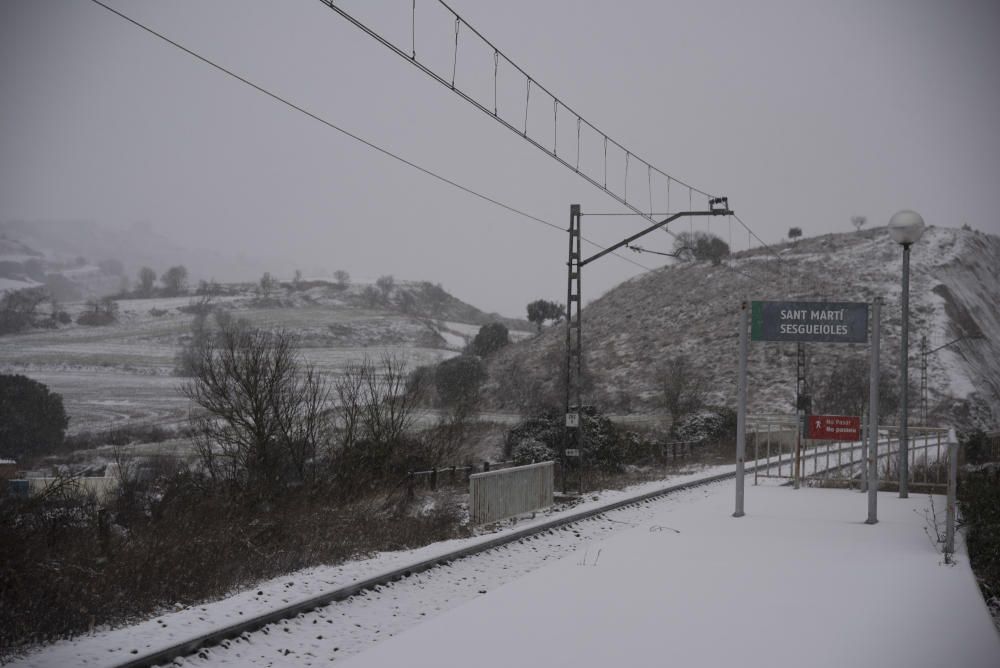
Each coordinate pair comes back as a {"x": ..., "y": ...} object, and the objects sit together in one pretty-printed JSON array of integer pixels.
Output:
[{"x": 222, "y": 635}]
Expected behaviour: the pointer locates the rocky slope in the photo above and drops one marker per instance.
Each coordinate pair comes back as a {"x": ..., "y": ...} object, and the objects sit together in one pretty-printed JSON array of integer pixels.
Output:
[{"x": 692, "y": 309}]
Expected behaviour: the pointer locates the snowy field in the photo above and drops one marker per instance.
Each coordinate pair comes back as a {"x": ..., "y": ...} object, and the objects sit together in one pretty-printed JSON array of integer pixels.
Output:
[
  {"x": 123, "y": 373},
  {"x": 799, "y": 581}
]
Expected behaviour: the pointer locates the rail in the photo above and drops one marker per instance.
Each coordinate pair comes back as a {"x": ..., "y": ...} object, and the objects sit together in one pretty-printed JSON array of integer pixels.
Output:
[{"x": 191, "y": 645}]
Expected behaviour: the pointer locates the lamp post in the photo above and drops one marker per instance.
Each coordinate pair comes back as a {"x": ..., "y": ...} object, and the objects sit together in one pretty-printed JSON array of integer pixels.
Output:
[{"x": 906, "y": 227}]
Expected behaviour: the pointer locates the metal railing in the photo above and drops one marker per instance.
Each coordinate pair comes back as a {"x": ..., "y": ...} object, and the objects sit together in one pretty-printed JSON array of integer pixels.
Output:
[
  {"x": 927, "y": 457},
  {"x": 448, "y": 475},
  {"x": 495, "y": 495},
  {"x": 842, "y": 463}
]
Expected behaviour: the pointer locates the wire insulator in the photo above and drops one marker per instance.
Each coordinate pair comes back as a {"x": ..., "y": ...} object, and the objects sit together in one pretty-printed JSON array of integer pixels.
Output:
[
  {"x": 454, "y": 62},
  {"x": 527, "y": 101},
  {"x": 496, "y": 71}
]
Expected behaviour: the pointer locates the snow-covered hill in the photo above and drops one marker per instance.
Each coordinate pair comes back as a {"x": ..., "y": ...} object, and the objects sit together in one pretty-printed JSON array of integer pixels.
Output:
[{"x": 692, "y": 309}]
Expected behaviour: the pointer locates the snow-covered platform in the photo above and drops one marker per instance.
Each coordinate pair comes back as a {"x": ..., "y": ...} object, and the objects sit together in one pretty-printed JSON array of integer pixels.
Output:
[{"x": 799, "y": 581}]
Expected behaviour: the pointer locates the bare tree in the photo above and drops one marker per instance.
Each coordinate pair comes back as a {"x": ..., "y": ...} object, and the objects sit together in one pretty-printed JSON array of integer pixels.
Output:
[
  {"x": 342, "y": 277},
  {"x": 385, "y": 284},
  {"x": 682, "y": 387},
  {"x": 174, "y": 280},
  {"x": 267, "y": 284},
  {"x": 858, "y": 222},
  {"x": 147, "y": 277},
  {"x": 845, "y": 390},
  {"x": 265, "y": 418},
  {"x": 375, "y": 409}
]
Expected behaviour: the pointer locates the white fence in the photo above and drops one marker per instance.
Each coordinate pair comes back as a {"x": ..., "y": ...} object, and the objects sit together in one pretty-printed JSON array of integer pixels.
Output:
[{"x": 495, "y": 495}]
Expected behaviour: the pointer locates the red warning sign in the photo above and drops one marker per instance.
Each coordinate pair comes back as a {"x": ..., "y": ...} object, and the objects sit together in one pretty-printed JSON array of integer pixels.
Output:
[{"x": 834, "y": 427}]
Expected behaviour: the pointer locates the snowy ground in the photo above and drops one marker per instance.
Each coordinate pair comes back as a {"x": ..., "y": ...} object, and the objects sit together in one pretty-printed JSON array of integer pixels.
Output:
[
  {"x": 799, "y": 581},
  {"x": 356, "y": 623}
]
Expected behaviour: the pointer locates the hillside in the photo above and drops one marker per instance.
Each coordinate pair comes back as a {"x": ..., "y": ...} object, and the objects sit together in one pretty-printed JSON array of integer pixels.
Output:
[
  {"x": 124, "y": 371},
  {"x": 692, "y": 309}
]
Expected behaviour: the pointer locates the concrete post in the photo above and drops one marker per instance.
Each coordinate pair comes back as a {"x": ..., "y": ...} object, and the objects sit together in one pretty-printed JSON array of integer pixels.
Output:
[
  {"x": 873, "y": 414},
  {"x": 741, "y": 414},
  {"x": 949, "y": 541}
]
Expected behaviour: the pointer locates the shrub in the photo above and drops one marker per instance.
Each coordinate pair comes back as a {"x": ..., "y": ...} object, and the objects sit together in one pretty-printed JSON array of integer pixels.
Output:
[
  {"x": 69, "y": 565},
  {"x": 529, "y": 451},
  {"x": 603, "y": 445},
  {"x": 95, "y": 319},
  {"x": 706, "y": 426},
  {"x": 32, "y": 419},
  {"x": 979, "y": 502},
  {"x": 489, "y": 339},
  {"x": 458, "y": 380}
]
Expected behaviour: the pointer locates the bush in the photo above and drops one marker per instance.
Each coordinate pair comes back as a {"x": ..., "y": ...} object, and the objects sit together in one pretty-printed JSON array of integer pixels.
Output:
[
  {"x": 529, "y": 451},
  {"x": 976, "y": 446},
  {"x": 123, "y": 435},
  {"x": 69, "y": 565},
  {"x": 95, "y": 319},
  {"x": 489, "y": 339},
  {"x": 12, "y": 322},
  {"x": 458, "y": 380},
  {"x": 604, "y": 447},
  {"x": 32, "y": 419},
  {"x": 174, "y": 280},
  {"x": 708, "y": 426},
  {"x": 979, "y": 502}
]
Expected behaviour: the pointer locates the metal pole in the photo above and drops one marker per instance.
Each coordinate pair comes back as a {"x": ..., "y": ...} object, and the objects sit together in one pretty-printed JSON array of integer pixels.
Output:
[
  {"x": 949, "y": 541},
  {"x": 864, "y": 453},
  {"x": 741, "y": 414},
  {"x": 873, "y": 415},
  {"x": 798, "y": 450},
  {"x": 904, "y": 462},
  {"x": 923, "y": 379},
  {"x": 571, "y": 435}
]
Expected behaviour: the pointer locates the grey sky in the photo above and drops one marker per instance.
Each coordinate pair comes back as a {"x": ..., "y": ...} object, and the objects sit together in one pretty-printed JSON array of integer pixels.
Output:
[{"x": 803, "y": 113}]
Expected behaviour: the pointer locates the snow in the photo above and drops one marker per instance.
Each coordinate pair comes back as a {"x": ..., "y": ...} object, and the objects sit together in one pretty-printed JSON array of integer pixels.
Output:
[
  {"x": 9, "y": 284},
  {"x": 667, "y": 579},
  {"x": 452, "y": 340},
  {"x": 799, "y": 581}
]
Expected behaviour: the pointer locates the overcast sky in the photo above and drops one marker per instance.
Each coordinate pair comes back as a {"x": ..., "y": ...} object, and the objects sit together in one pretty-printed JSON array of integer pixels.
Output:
[{"x": 803, "y": 113}]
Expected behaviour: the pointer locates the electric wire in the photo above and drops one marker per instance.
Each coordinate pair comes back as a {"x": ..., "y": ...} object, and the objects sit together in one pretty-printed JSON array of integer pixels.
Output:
[
  {"x": 347, "y": 133},
  {"x": 530, "y": 81}
]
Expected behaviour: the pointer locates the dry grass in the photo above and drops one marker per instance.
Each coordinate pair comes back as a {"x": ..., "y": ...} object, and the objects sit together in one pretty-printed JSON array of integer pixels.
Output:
[{"x": 67, "y": 565}]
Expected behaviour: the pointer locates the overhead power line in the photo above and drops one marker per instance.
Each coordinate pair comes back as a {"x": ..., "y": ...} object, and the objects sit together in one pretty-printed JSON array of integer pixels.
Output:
[
  {"x": 515, "y": 118},
  {"x": 347, "y": 133},
  {"x": 544, "y": 138}
]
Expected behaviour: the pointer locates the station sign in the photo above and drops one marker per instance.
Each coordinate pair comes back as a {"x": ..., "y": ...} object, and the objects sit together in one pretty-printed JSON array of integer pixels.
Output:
[
  {"x": 572, "y": 452},
  {"x": 821, "y": 322},
  {"x": 834, "y": 428}
]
